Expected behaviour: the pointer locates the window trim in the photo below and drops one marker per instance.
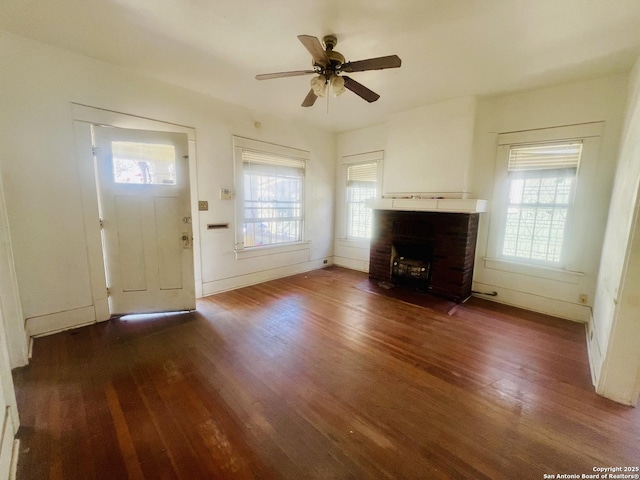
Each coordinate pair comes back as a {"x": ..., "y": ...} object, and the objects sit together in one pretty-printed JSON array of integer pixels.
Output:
[
  {"x": 240, "y": 144},
  {"x": 572, "y": 260},
  {"x": 349, "y": 201},
  {"x": 376, "y": 156}
]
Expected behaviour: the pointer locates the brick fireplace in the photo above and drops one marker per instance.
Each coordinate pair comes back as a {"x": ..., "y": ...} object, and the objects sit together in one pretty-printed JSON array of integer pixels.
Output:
[{"x": 431, "y": 251}]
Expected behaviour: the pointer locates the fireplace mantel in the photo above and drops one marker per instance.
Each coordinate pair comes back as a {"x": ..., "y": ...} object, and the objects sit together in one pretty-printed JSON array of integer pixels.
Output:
[
  {"x": 451, "y": 205},
  {"x": 444, "y": 241}
]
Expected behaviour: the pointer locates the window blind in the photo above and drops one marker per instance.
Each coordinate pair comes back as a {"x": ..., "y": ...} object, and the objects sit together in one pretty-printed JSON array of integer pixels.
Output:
[
  {"x": 364, "y": 172},
  {"x": 260, "y": 158},
  {"x": 545, "y": 157}
]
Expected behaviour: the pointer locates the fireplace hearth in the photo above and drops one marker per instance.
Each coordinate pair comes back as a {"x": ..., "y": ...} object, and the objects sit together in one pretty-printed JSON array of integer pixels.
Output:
[{"x": 431, "y": 251}]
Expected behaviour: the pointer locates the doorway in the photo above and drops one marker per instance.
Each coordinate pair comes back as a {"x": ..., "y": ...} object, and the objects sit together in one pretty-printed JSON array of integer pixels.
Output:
[{"x": 143, "y": 191}]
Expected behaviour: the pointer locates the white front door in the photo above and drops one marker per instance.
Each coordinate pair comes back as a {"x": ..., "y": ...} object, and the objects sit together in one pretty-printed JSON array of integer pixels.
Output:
[{"x": 143, "y": 192}]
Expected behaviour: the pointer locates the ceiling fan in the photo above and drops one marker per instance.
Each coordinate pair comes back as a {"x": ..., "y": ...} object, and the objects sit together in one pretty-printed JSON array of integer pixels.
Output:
[{"x": 329, "y": 67}]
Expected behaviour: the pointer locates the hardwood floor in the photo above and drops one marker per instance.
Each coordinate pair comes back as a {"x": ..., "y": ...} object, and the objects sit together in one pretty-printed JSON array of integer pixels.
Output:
[{"x": 310, "y": 377}]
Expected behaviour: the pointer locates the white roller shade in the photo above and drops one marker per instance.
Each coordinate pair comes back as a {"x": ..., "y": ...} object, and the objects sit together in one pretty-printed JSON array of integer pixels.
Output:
[
  {"x": 250, "y": 156},
  {"x": 545, "y": 157},
  {"x": 364, "y": 172}
]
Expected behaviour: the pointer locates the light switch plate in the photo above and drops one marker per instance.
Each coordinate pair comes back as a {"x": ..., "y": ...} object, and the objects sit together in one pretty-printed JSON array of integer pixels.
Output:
[{"x": 226, "y": 194}]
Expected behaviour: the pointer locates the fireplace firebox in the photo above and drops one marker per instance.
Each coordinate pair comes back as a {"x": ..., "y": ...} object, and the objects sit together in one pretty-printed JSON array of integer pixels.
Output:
[{"x": 433, "y": 251}]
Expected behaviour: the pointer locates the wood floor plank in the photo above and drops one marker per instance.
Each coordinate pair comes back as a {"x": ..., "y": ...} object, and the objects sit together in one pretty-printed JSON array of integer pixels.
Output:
[{"x": 313, "y": 376}]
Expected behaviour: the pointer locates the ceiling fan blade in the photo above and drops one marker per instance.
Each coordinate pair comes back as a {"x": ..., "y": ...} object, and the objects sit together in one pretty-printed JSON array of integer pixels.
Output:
[
  {"x": 360, "y": 90},
  {"x": 310, "y": 99},
  {"x": 313, "y": 45},
  {"x": 294, "y": 73},
  {"x": 391, "y": 61}
]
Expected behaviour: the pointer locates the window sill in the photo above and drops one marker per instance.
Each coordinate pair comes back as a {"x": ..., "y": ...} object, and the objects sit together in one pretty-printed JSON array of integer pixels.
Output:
[
  {"x": 530, "y": 270},
  {"x": 261, "y": 251}
]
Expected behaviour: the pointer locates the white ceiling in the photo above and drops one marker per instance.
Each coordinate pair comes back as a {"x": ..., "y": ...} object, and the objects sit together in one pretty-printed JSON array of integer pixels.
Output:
[{"x": 449, "y": 48}]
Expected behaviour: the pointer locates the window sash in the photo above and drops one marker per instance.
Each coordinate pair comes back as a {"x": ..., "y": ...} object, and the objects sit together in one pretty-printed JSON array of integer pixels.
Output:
[
  {"x": 361, "y": 187},
  {"x": 272, "y": 199},
  {"x": 538, "y": 207}
]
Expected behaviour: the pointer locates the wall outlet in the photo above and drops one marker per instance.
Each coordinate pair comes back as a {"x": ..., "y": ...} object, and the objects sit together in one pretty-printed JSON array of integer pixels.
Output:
[
  {"x": 203, "y": 205},
  {"x": 325, "y": 261},
  {"x": 583, "y": 298}
]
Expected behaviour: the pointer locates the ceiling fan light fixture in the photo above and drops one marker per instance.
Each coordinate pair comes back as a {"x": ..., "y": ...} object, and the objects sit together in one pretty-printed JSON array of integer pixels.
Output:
[
  {"x": 319, "y": 85},
  {"x": 337, "y": 85},
  {"x": 328, "y": 65}
]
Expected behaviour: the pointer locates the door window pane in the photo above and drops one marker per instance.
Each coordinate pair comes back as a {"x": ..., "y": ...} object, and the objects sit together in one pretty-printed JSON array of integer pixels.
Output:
[{"x": 144, "y": 163}]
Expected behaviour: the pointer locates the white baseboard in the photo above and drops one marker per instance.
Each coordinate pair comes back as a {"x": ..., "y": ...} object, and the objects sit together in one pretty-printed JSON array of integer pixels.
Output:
[
  {"x": 360, "y": 265},
  {"x": 57, "y": 322},
  {"x": 536, "y": 303},
  {"x": 233, "y": 283}
]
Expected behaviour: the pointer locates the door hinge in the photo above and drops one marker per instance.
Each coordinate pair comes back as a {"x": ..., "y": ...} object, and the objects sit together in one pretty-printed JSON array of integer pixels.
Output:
[
  {"x": 101, "y": 223},
  {"x": 108, "y": 292},
  {"x": 95, "y": 151}
]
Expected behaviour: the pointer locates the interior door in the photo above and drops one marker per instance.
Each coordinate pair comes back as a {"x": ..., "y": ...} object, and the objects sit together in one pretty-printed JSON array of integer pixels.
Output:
[{"x": 143, "y": 185}]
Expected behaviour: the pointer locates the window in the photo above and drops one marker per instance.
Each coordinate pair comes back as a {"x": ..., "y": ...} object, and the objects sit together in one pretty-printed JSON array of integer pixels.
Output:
[
  {"x": 548, "y": 200},
  {"x": 541, "y": 181},
  {"x": 270, "y": 204},
  {"x": 361, "y": 186},
  {"x": 143, "y": 163}
]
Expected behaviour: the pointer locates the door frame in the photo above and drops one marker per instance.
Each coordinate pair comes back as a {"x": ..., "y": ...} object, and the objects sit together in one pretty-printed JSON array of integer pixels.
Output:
[{"x": 83, "y": 118}]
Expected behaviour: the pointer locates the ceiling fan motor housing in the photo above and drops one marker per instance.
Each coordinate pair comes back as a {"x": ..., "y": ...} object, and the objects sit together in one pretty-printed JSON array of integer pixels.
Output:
[{"x": 335, "y": 58}]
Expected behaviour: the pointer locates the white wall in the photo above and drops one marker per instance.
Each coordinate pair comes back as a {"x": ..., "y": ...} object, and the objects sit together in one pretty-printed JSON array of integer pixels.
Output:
[
  {"x": 42, "y": 180},
  {"x": 429, "y": 149},
  {"x": 550, "y": 292},
  {"x": 616, "y": 313}
]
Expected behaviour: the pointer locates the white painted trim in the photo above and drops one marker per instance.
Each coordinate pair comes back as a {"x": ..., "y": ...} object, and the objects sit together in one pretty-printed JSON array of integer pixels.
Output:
[
  {"x": 593, "y": 351},
  {"x": 15, "y": 453},
  {"x": 536, "y": 303},
  {"x": 368, "y": 157},
  {"x": 253, "y": 252},
  {"x": 10, "y": 306},
  {"x": 240, "y": 281},
  {"x": 552, "y": 134},
  {"x": 57, "y": 322},
  {"x": 84, "y": 116},
  {"x": 91, "y": 216},
  {"x": 7, "y": 444},
  {"x": 445, "y": 205},
  {"x": 103, "y": 116},
  {"x": 353, "y": 243},
  {"x": 352, "y": 264},
  {"x": 261, "y": 146},
  {"x": 529, "y": 270}
]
